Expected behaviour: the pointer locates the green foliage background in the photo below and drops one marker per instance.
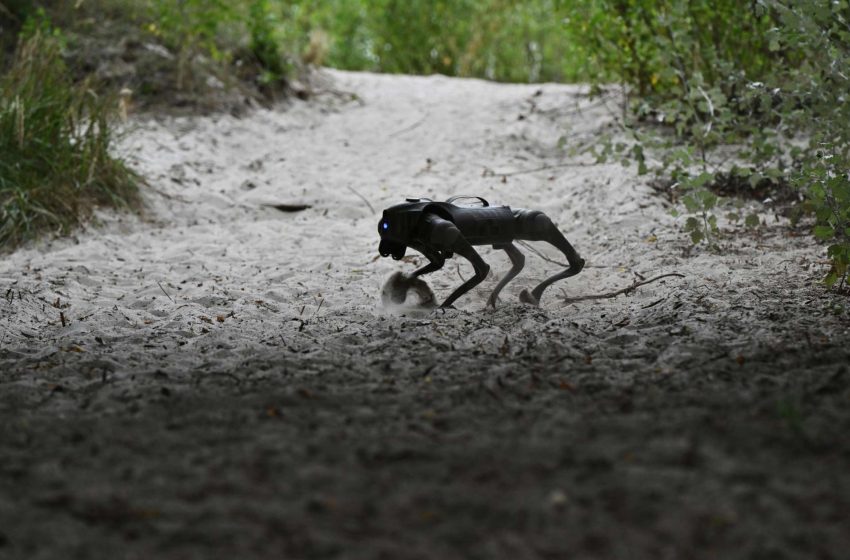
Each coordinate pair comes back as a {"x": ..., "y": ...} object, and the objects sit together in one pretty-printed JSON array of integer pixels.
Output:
[{"x": 768, "y": 77}]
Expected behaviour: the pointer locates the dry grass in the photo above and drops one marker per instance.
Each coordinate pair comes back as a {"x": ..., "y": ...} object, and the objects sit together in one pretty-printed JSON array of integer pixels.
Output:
[{"x": 55, "y": 137}]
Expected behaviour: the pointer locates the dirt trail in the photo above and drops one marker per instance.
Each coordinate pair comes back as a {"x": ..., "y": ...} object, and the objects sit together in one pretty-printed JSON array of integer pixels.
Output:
[{"x": 219, "y": 380}]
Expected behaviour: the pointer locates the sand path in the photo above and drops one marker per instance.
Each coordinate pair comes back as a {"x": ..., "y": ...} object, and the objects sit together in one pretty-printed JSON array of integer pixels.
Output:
[{"x": 218, "y": 378}]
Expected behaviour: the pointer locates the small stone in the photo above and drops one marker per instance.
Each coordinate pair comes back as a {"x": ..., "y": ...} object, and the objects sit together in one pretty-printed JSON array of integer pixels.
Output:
[{"x": 558, "y": 498}]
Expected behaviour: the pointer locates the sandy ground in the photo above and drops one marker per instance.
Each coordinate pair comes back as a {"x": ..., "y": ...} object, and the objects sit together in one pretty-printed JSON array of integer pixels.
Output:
[{"x": 219, "y": 380}]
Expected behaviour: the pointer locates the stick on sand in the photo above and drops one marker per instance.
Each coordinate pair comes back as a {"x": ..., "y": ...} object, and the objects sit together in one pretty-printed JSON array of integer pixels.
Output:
[{"x": 627, "y": 289}]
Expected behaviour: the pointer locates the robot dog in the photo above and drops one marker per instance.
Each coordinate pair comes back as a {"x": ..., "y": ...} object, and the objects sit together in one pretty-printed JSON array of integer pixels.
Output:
[{"x": 439, "y": 230}]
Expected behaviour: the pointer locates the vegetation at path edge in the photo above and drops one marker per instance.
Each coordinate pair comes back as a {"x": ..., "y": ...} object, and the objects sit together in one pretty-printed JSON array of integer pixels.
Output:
[
  {"x": 768, "y": 82},
  {"x": 55, "y": 140},
  {"x": 722, "y": 98}
]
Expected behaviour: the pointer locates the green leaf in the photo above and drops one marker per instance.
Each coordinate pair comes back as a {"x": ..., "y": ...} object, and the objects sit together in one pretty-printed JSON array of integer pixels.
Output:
[
  {"x": 773, "y": 173},
  {"x": 840, "y": 190},
  {"x": 823, "y": 213},
  {"x": 702, "y": 179},
  {"x": 752, "y": 221},
  {"x": 708, "y": 199},
  {"x": 696, "y": 237},
  {"x": 838, "y": 252},
  {"x": 690, "y": 203},
  {"x": 824, "y": 232},
  {"x": 830, "y": 279}
]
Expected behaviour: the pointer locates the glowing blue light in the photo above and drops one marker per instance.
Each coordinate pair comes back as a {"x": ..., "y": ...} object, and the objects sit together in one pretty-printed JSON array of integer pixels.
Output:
[{"x": 386, "y": 226}]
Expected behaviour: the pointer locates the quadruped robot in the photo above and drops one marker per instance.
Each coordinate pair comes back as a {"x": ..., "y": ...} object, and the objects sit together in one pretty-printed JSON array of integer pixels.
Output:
[{"x": 440, "y": 230}]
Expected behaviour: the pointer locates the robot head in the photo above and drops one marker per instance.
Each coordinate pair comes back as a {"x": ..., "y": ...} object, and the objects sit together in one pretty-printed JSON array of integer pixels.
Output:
[
  {"x": 387, "y": 248},
  {"x": 398, "y": 226}
]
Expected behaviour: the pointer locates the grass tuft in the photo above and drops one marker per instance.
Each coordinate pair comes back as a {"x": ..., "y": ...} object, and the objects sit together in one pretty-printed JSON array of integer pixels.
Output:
[{"x": 55, "y": 138}]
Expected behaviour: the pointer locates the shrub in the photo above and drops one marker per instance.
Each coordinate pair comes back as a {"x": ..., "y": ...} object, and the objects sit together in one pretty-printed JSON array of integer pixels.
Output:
[
  {"x": 190, "y": 28},
  {"x": 422, "y": 36},
  {"x": 749, "y": 76},
  {"x": 494, "y": 39},
  {"x": 265, "y": 42},
  {"x": 55, "y": 138},
  {"x": 816, "y": 36}
]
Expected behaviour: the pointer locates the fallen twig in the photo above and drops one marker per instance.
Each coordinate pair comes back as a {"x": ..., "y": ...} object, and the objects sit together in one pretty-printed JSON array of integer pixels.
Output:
[
  {"x": 542, "y": 168},
  {"x": 410, "y": 127},
  {"x": 164, "y": 292},
  {"x": 578, "y": 110},
  {"x": 459, "y": 275},
  {"x": 653, "y": 304},
  {"x": 316, "y": 312},
  {"x": 626, "y": 290},
  {"x": 164, "y": 194},
  {"x": 361, "y": 197},
  {"x": 531, "y": 248}
]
